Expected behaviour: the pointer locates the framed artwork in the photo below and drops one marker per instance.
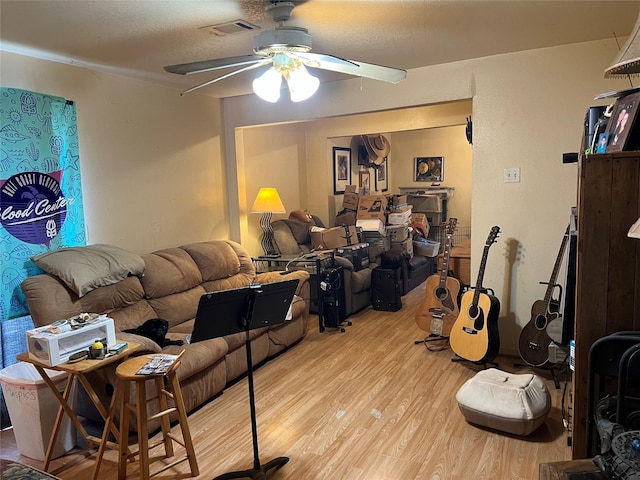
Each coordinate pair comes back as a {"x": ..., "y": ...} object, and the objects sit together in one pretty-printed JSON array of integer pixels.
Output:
[
  {"x": 382, "y": 177},
  {"x": 428, "y": 169},
  {"x": 365, "y": 182},
  {"x": 341, "y": 169},
  {"x": 622, "y": 121}
]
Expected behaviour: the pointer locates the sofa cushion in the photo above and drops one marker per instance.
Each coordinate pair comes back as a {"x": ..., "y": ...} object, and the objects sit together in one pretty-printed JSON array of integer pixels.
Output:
[
  {"x": 178, "y": 307},
  {"x": 361, "y": 280},
  {"x": 169, "y": 271},
  {"x": 300, "y": 230},
  {"x": 215, "y": 259},
  {"x": 86, "y": 268}
]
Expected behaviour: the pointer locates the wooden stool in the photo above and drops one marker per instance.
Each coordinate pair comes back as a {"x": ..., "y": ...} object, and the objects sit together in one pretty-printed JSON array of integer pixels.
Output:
[{"x": 126, "y": 375}]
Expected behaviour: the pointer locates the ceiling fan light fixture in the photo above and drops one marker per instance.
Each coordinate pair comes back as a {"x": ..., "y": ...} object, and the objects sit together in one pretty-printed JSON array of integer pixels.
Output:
[
  {"x": 302, "y": 85},
  {"x": 267, "y": 86}
]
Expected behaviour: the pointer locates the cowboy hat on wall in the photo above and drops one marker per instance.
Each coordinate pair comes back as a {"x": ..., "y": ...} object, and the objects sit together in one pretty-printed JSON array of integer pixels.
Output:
[{"x": 377, "y": 147}]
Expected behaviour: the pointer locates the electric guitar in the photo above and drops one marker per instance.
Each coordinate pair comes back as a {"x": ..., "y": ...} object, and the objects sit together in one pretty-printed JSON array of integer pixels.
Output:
[
  {"x": 439, "y": 309},
  {"x": 475, "y": 335},
  {"x": 534, "y": 340}
]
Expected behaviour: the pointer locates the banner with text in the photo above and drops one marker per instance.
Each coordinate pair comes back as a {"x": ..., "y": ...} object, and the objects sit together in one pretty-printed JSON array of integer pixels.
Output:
[{"x": 40, "y": 187}]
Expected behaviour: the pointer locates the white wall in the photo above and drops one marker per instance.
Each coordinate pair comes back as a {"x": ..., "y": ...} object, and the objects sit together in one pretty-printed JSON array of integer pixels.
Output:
[
  {"x": 273, "y": 156},
  {"x": 528, "y": 109},
  {"x": 151, "y": 163},
  {"x": 448, "y": 142}
]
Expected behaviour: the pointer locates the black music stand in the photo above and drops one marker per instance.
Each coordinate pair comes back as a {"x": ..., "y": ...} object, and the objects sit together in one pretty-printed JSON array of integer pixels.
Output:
[{"x": 232, "y": 311}]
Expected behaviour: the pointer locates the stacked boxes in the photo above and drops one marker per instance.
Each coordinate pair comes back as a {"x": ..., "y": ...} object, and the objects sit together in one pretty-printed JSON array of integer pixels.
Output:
[
  {"x": 357, "y": 254},
  {"x": 372, "y": 207},
  {"x": 398, "y": 226},
  {"x": 347, "y": 216},
  {"x": 334, "y": 237}
]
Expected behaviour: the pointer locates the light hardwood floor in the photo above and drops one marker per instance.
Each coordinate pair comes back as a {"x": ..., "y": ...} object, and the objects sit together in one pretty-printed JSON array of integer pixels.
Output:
[{"x": 367, "y": 404}]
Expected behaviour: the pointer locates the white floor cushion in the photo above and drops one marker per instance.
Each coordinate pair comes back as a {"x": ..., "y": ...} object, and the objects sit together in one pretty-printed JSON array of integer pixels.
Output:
[{"x": 516, "y": 404}]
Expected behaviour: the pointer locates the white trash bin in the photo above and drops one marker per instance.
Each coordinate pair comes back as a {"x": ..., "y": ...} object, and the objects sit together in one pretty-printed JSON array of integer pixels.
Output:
[{"x": 33, "y": 408}]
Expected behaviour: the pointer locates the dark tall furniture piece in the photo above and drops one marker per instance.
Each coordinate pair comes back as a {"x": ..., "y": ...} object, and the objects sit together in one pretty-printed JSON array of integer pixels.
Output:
[{"x": 608, "y": 265}]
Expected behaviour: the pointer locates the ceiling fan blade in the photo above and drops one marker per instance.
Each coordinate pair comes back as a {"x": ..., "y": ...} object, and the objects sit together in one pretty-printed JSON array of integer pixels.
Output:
[
  {"x": 215, "y": 64},
  {"x": 264, "y": 61},
  {"x": 351, "y": 67}
]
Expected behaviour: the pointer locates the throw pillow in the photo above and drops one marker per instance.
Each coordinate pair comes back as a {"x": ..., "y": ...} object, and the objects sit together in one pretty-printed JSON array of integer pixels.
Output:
[{"x": 83, "y": 269}]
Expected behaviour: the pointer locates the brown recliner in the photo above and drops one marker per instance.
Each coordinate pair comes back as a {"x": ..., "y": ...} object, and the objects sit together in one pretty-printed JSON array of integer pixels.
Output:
[{"x": 292, "y": 238}]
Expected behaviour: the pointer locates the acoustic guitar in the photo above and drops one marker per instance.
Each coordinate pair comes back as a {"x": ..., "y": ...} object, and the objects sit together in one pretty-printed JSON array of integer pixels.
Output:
[
  {"x": 439, "y": 309},
  {"x": 475, "y": 335},
  {"x": 534, "y": 340}
]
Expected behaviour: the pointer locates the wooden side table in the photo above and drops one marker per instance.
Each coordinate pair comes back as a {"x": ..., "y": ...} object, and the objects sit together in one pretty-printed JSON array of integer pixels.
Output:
[{"x": 77, "y": 370}]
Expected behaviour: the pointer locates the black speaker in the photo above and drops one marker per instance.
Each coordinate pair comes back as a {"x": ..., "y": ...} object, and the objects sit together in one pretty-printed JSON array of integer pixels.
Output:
[
  {"x": 386, "y": 289},
  {"x": 594, "y": 124}
]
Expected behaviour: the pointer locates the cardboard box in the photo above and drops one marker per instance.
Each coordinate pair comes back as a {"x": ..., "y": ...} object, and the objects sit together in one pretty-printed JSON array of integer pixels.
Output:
[
  {"x": 350, "y": 199},
  {"x": 405, "y": 246},
  {"x": 372, "y": 206},
  {"x": 397, "y": 201},
  {"x": 357, "y": 254},
  {"x": 55, "y": 348},
  {"x": 398, "y": 233},
  {"x": 398, "y": 217},
  {"x": 371, "y": 225},
  {"x": 334, "y": 237},
  {"x": 347, "y": 217},
  {"x": 420, "y": 218}
]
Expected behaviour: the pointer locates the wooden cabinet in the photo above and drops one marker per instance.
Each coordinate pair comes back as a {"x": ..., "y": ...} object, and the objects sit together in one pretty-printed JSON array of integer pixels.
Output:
[{"x": 608, "y": 265}]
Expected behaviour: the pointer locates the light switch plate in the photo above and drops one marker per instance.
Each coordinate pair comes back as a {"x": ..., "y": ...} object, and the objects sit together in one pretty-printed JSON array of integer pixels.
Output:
[{"x": 512, "y": 175}]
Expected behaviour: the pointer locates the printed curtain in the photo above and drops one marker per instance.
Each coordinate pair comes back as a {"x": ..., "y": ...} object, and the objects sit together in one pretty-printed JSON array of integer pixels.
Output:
[{"x": 40, "y": 189}]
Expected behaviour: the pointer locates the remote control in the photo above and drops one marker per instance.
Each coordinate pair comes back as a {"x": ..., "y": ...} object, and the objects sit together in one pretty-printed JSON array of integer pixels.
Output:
[{"x": 118, "y": 347}]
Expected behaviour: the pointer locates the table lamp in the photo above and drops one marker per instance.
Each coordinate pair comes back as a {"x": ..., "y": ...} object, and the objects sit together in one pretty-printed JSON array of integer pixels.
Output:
[
  {"x": 268, "y": 202},
  {"x": 627, "y": 62}
]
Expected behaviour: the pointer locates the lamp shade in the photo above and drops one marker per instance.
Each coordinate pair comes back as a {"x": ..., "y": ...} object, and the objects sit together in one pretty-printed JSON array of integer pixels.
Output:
[
  {"x": 302, "y": 84},
  {"x": 267, "y": 86},
  {"x": 268, "y": 201},
  {"x": 627, "y": 62}
]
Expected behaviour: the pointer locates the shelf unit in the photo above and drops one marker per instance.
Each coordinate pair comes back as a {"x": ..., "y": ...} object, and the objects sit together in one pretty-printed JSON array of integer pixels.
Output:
[{"x": 608, "y": 265}]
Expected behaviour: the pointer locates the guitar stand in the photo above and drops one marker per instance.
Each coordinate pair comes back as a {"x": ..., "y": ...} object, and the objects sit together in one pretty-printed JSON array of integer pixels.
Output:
[
  {"x": 482, "y": 364},
  {"x": 433, "y": 338}
]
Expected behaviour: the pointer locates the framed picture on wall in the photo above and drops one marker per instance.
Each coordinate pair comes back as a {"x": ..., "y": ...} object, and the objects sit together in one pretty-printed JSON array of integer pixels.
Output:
[
  {"x": 428, "y": 169},
  {"x": 341, "y": 169},
  {"x": 364, "y": 182},
  {"x": 382, "y": 177},
  {"x": 622, "y": 121}
]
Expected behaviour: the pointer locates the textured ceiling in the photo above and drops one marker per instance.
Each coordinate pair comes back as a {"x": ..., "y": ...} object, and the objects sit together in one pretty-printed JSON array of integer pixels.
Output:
[{"x": 139, "y": 37}]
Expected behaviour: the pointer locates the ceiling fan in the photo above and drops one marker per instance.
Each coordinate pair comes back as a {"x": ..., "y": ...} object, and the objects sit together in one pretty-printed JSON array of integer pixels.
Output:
[{"x": 288, "y": 50}]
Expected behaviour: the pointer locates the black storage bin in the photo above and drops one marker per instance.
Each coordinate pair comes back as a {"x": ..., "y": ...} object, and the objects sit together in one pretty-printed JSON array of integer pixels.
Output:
[{"x": 386, "y": 289}]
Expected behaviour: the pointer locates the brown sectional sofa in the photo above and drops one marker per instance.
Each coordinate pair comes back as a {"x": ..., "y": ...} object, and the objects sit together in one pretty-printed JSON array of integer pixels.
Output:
[{"x": 172, "y": 283}]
